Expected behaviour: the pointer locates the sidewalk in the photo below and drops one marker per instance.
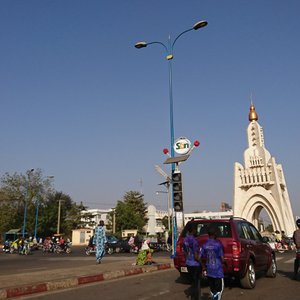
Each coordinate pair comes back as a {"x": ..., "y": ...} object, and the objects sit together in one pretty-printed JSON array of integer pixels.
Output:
[{"x": 49, "y": 280}]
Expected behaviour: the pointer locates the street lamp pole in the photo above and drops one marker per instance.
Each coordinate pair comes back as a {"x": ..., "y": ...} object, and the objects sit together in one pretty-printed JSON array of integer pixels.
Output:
[
  {"x": 58, "y": 215},
  {"x": 37, "y": 203},
  {"x": 36, "y": 216},
  {"x": 26, "y": 202},
  {"x": 169, "y": 56}
]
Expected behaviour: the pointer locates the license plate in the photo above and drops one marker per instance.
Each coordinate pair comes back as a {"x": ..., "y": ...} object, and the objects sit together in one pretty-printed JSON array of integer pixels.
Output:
[{"x": 183, "y": 269}]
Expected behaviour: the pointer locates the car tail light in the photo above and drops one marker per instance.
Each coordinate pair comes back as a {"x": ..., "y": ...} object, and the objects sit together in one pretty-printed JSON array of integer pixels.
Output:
[
  {"x": 236, "y": 249},
  {"x": 178, "y": 247}
]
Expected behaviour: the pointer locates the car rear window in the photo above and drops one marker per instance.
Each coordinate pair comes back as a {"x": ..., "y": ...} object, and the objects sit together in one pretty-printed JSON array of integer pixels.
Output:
[{"x": 224, "y": 229}]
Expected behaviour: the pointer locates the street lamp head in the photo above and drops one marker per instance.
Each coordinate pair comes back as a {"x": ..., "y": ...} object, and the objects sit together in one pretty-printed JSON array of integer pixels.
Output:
[
  {"x": 140, "y": 45},
  {"x": 200, "y": 24}
]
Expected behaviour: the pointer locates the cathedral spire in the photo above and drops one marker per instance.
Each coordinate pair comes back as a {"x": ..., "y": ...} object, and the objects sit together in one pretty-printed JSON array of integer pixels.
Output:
[{"x": 252, "y": 114}]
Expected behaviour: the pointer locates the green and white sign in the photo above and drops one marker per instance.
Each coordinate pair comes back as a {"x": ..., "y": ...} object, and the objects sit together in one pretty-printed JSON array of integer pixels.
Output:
[{"x": 182, "y": 146}]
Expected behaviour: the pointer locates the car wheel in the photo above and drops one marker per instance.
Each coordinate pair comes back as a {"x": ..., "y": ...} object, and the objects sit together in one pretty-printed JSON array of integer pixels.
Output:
[
  {"x": 271, "y": 272},
  {"x": 249, "y": 281},
  {"x": 118, "y": 250},
  {"x": 110, "y": 251}
]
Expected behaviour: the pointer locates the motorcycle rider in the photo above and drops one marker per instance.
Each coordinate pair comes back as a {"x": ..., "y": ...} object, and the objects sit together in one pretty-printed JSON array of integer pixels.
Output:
[
  {"x": 296, "y": 238},
  {"x": 61, "y": 243}
]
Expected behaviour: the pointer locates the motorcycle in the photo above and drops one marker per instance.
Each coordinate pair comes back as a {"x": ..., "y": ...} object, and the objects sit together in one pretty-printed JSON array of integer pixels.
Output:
[
  {"x": 108, "y": 249},
  {"x": 25, "y": 250},
  {"x": 14, "y": 247},
  {"x": 66, "y": 248},
  {"x": 90, "y": 250},
  {"x": 6, "y": 247}
]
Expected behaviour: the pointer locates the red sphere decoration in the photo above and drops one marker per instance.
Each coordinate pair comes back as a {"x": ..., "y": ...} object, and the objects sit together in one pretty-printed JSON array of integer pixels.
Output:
[
  {"x": 166, "y": 151},
  {"x": 196, "y": 143}
]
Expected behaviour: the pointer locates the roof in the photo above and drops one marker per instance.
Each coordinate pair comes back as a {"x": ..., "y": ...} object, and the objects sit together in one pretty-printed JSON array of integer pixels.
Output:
[{"x": 13, "y": 231}]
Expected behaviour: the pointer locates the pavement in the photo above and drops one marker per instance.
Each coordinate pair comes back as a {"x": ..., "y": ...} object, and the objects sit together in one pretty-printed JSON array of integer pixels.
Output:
[{"x": 37, "y": 281}]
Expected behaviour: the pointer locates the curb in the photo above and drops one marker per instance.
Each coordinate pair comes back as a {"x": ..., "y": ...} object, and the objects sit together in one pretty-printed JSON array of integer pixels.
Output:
[{"x": 53, "y": 285}]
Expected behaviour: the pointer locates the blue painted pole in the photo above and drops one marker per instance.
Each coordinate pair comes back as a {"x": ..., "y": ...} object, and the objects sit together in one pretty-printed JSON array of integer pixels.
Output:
[
  {"x": 25, "y": 214},
  {"x": 169, "y": 52},
  {"x": 36, "y": 217},
  {"x": 26, "y": 202}
]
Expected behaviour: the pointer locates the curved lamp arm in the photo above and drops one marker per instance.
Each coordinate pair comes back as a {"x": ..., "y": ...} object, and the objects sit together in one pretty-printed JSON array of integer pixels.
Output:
[
  {"x": 140, "y": 45},
  {"x": 180, "y": 36},
  {"x": 196, "y": 26}
]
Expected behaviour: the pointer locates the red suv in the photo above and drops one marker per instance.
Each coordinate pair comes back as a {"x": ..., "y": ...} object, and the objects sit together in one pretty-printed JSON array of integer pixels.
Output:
[{"x": 245, "y": 250}]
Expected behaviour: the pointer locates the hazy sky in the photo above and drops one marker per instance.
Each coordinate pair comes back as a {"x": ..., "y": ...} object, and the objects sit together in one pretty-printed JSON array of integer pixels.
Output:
[{"x": 81, "y": 103}]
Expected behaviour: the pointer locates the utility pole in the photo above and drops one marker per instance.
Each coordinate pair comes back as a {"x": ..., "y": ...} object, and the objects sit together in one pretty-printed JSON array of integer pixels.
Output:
[
  {"x": 114, "y": 220},
  {"x": 58, "y": 216}
]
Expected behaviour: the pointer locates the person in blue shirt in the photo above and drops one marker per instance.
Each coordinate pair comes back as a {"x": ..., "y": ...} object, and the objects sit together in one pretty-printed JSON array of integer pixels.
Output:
[
  {"x": 191, "y": 249},
  {"x": 212, "y": 258},
  {"x": 99, "y": 240}
]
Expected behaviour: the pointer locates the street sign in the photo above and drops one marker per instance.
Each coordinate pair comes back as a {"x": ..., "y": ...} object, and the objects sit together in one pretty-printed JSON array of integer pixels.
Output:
[{"x": 182, "y": 146}]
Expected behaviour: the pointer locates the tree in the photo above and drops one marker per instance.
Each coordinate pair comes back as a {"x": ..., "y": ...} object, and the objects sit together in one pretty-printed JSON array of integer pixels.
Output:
[
  {"x": 130, "y": 212},
  {"x": 70, "y": 215},
  {"x": 18, "y": 191},
  {"x": 165, "y": 222},
  {"x": 34, "y": 190}
]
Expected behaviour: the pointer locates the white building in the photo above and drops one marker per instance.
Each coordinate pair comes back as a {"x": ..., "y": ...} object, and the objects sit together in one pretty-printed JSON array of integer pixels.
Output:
[
  {"x": 208, "y": 215},
  {"x": 98, "y": 214},
  {"x": 154, "y": 225},
  {"x": 154, "y": 218}
]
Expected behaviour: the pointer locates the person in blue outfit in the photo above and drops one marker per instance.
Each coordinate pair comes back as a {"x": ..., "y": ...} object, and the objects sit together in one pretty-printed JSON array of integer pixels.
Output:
[
  {"x": 191, "y": 249},
  {"x": 296, "y": 239},
  {"x": 99, "y": 241},
  {"x": 212, "y": 258}
]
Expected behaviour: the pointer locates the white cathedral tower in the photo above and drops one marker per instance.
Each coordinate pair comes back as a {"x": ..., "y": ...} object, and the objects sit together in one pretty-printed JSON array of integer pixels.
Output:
[{"x": 260, "y": 183}]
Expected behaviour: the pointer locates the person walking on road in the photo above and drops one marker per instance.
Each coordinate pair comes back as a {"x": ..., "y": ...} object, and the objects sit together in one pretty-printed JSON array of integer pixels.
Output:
[
  {"x": 191, "y": 249},
  {"x": 99, "y": 241},
  {"x": 296, "y": 238},
  {"x": 212, "y": 258}
]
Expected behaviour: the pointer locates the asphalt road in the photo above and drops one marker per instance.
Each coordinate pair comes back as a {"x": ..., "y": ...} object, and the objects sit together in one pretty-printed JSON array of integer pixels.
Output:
[
  {"x": 167, "y": 285},
  {"x": 14, "y": 263}
]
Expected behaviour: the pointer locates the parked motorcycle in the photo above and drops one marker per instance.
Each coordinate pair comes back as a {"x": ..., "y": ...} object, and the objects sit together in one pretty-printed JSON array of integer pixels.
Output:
[
  {"x": 66, "y": 248},
  {"x": 90, "y": 250},
  {"x": 6, "y": 247}
]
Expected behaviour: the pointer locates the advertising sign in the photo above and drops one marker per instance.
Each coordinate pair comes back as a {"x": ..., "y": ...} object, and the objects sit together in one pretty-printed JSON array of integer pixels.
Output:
[{"x": 182, "y": 146}]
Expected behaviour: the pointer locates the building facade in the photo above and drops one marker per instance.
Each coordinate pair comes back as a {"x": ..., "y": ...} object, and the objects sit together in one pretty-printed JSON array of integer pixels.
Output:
[{"x": 260, "y": 183}]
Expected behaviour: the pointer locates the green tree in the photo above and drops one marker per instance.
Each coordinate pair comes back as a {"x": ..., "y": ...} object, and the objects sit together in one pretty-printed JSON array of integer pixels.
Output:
[
  {"x": 70, "y": 215},
  {"x": 130, "y": 212},
  {"x": 35, "y": 190},
  {"x": 165, "y": 222},
  {"x": 18, "y": 190}
]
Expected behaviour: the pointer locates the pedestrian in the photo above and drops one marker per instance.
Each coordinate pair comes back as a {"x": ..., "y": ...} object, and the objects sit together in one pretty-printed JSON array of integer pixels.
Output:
[
  {"x": 99, "y": 241},
  {"x": 296, "y": 239},
  {"x": 145, "y": 255},
  {"x": 191, "y": 250},
  {"x": 212, "y": 258}
]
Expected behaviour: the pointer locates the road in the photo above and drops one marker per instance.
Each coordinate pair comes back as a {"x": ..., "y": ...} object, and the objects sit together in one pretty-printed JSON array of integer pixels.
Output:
[
  {"x": 167, "y": 285},
  {"x": 14, "y": 263}
]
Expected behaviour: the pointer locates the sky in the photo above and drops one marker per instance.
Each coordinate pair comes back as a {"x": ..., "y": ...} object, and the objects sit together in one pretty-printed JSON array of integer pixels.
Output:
[{"x": 80, "y": 102}]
